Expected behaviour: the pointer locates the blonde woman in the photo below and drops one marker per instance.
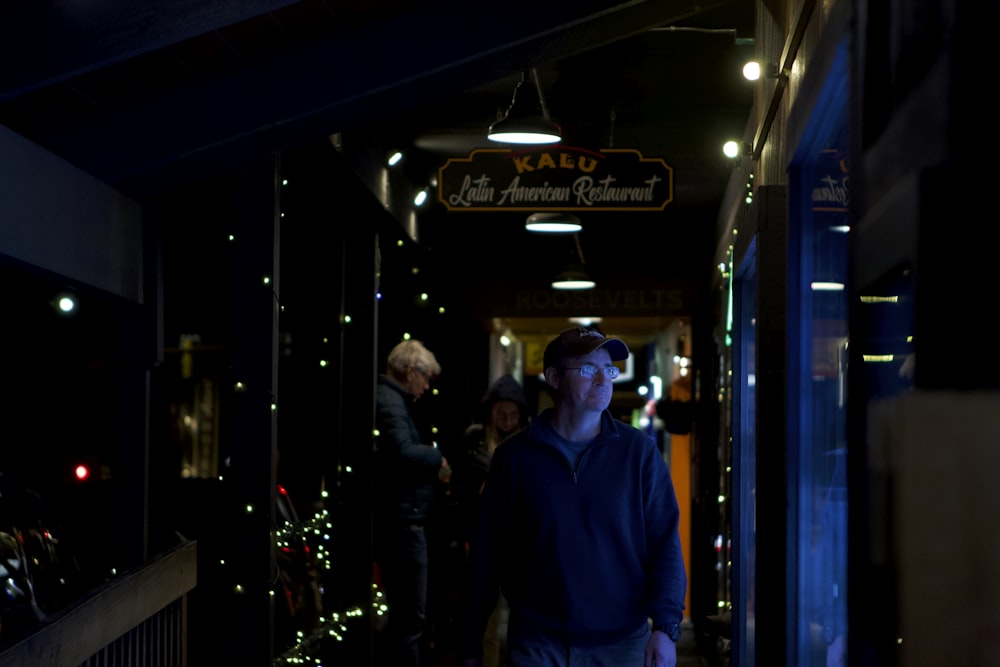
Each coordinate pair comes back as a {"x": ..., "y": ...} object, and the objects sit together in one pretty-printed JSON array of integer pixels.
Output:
[{"x": 406, "y": 471}]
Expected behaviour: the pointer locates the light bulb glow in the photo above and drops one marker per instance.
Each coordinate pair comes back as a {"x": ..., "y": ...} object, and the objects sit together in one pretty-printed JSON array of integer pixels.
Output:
[
  {"x": 573, "y": 284},
  {"x": 524, "y": 138}
]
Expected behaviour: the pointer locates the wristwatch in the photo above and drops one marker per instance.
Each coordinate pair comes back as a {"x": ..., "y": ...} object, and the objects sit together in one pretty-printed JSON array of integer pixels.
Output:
[{"x": 672, "y": 630}]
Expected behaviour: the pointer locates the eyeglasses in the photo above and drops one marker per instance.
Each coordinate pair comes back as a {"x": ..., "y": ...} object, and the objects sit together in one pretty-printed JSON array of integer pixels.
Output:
[{"x": 590, "y": 370}]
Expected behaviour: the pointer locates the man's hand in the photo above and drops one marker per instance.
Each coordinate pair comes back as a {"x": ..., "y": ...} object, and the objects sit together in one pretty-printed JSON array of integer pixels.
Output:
[{"x": 661, "y": 651}]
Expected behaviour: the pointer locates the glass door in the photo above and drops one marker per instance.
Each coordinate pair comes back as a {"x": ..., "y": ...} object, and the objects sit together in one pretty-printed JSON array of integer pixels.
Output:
[{"x": 819, "y": 186}]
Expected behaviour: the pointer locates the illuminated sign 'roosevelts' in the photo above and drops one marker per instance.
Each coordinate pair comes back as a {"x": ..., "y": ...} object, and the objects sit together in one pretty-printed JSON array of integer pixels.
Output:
[{"x": 555, "y": 178}]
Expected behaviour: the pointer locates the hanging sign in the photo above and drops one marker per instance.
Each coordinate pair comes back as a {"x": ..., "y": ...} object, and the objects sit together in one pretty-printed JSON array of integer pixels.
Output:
[{"x": 555, "y": 178}]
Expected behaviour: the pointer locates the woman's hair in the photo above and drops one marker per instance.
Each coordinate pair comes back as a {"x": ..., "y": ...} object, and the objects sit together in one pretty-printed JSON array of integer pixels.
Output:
[{"x": 412, "y": 353}]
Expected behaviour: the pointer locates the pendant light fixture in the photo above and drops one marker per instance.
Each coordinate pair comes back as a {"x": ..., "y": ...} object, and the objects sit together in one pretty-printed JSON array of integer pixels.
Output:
[
  {"x": 574, "y": 276},
  {"x": 555, "y": 222},
  {"x": 527, "y": 120}
]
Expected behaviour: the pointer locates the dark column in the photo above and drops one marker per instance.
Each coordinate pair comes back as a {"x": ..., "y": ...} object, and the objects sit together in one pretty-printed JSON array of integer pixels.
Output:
[
  {"x": 132, "y": 471},
  {"x": 356, "y": 422},
  {"x": 775, "y": 561},
  {"x": 139, "y": 347}
]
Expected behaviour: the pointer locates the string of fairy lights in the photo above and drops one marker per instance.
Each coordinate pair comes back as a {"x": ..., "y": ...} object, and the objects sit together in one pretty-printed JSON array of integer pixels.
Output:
[
  {"x": 311, "y": 646},
  {"x": 308, "y": 648}
]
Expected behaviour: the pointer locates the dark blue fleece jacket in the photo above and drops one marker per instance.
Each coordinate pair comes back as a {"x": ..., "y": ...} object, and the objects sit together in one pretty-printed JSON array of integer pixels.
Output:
[{"x": 586, "y": 554}]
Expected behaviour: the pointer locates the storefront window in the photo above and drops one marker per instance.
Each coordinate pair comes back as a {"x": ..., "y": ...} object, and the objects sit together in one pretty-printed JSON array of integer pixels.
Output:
[{"x": 819, "y": 231}]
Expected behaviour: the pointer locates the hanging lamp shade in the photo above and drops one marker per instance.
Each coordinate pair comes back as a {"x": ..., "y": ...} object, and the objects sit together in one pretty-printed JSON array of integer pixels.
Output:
[
  {"x": 573, "y": 277},
  {"x": 526, "y": 120},
  {"x": 553, "y": 222}
]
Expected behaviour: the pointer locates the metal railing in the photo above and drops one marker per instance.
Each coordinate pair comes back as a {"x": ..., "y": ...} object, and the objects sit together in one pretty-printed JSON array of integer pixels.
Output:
[{"x": 137, "y": 620}]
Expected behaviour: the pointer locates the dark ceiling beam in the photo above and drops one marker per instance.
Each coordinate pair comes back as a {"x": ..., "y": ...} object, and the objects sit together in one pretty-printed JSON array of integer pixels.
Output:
[
  {"x": 54, "y": 41},
  {"x": 372, "y": 72}
]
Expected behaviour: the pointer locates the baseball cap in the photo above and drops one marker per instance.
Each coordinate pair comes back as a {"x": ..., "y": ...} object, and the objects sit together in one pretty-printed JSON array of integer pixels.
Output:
[{"x": 580, "y": 341}]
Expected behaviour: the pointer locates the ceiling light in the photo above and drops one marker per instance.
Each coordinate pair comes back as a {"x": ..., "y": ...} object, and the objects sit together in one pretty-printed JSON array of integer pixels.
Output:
[
  {"x": 754, "y": 70},
  {"x": 526, "y": 121},
  {"x": 66, "y": 304},
  {"x": 573, "y": 277},
  {"x": 553, "y": 223}
]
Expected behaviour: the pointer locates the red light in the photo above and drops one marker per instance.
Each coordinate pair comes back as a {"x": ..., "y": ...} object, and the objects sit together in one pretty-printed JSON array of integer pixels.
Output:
[{"x": 82, "y": 472}]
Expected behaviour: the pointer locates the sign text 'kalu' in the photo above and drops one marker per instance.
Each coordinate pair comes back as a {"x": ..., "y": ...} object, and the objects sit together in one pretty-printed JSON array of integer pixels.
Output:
[{"x": 555, "y": 178}]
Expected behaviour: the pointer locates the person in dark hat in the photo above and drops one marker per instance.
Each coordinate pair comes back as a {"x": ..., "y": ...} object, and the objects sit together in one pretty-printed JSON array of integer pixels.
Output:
[
  {"x": 578, "y": 528},
  {"x": 503, "y": 411}
]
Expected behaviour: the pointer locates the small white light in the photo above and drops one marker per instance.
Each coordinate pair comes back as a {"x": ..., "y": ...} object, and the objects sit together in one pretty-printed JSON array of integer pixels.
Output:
[
  {"x": 420, "y": 198},
  {"x": 394, "y": 159},
  {"x": 731, "y": 148},
  {"x": 751, "y": 71}
]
